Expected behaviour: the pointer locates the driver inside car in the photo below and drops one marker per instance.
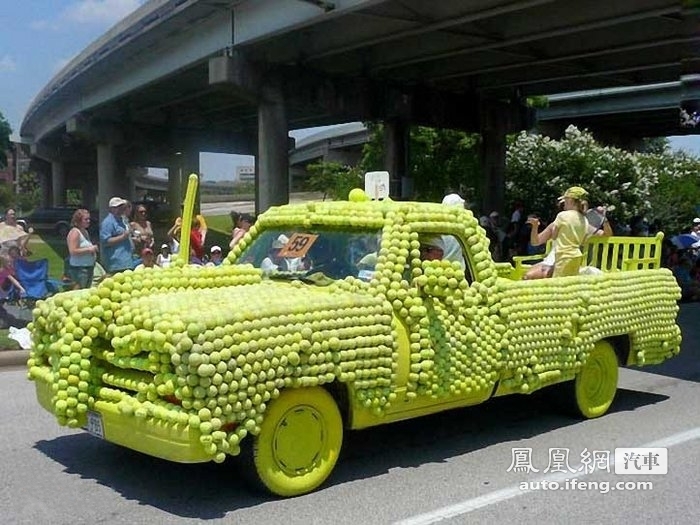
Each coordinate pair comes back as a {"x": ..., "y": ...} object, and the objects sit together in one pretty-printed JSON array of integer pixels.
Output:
[{"x": 275, "y": 262}]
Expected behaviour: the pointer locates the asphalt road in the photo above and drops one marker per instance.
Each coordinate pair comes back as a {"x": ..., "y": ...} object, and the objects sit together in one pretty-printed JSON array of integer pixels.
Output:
[{"x": 452, "y": 467}]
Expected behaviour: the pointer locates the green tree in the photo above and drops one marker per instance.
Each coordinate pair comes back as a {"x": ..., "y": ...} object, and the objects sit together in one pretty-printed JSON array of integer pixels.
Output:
[
  {"x": 439, "y": 160},
  {"x": 5, "y": 132},
  {"x": 29, "y": 191},
  {"x": 333, "y": 179},
  {"x": 657, "y": 145}
]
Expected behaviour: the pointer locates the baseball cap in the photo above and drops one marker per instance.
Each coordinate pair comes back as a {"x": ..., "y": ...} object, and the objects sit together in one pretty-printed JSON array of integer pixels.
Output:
[
  {"x": 115, "y": 202},
  {"x": 280, "y": 241},
  {"x": 574, "y": 192},
  {"x": 215, "y": 248},
  {"x": 452, "y": 199},
  {"x": 146, "y": 251},
  {"x": 493, "y": 214},
  {"x": 696, "y": 220},
  {"x": 164, "y": 245}
]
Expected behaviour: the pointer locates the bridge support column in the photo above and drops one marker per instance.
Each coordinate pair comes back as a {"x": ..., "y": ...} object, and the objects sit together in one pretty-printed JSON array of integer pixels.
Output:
[
  {"x": 58, "y": 183},
  {"x": 272, "y": 174},
  {"x": 108, "y": 184},
  {"x": 396, "y": 149},
  {"x": 495, "y": 120},
  {"x": 175, "y": 187}
]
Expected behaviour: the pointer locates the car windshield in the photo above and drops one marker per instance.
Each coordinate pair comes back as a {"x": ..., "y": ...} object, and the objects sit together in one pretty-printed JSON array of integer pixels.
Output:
[{"x": 335, "y": 253}]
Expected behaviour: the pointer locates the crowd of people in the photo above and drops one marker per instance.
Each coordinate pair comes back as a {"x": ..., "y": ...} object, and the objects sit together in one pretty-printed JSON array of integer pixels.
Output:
[
  {"x": 14, "y": 246},
  {"x": 127, "y": 240},
  {"x": 683, "y": 259}
]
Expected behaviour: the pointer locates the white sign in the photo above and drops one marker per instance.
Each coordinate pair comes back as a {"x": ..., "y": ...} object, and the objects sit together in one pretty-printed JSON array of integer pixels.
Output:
[{"x": 377, "y": 184}]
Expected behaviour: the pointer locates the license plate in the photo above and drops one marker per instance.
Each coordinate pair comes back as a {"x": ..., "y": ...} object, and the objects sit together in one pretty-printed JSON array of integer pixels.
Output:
[{"x": 94, "y": 425}]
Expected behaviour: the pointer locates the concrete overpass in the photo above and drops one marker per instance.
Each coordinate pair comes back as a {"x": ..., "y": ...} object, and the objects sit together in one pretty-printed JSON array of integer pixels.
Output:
[
  {"x": 623, "y": 115},
  {"x": 182, "y": 76}
]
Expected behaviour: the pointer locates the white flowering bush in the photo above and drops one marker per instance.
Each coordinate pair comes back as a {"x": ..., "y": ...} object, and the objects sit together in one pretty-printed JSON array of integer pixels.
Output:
[{"x": 539, "y": 168}]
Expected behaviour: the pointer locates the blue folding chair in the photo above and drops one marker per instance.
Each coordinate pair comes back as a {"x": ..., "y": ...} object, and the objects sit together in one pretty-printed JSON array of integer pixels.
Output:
[{"x": 34, "y": 278}]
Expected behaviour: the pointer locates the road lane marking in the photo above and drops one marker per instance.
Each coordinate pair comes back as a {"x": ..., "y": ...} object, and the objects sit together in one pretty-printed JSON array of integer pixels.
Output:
[{"x": 514, "y": 491}]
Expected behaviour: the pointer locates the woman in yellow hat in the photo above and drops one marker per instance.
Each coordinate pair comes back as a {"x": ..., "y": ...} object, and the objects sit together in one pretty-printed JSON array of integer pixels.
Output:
[{"x": 567, "y": 231}]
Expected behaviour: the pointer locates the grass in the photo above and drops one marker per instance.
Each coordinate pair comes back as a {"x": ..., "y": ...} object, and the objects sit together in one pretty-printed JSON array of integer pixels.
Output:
[
  {"x": 55, "y": 250},
  {"x": 6, "y": 343},
  {"x": 52, "y": 248}
]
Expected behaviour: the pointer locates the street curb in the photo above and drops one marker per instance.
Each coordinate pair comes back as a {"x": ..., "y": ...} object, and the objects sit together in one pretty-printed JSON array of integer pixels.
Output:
[{"x": 13, "y": 357}]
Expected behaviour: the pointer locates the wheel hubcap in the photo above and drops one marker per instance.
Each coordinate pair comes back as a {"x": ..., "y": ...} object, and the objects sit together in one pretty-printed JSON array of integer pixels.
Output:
[{"x": 299, "y": 440}]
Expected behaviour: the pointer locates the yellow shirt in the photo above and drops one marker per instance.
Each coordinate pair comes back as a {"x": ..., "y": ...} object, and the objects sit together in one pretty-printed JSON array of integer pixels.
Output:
[{"x": 572, "y": 227}]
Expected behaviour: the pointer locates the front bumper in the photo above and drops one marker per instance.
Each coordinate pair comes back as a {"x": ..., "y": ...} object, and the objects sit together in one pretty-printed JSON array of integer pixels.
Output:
[{"x": 170, "y": 441}]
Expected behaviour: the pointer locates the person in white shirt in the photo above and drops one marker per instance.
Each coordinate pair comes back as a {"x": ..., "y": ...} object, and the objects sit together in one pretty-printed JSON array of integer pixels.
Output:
[
  {"x": 695, "y": 230},
  {"x": 273, "y": 261},
  {"x": 164, "y": 257}
]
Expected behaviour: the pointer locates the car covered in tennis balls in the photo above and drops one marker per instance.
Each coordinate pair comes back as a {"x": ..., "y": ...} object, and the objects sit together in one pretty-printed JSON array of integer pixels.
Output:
[{"x": 330, "y": 316}]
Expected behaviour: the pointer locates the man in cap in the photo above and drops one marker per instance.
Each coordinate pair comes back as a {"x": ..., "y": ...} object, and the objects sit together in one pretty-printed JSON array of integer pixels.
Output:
[
  {"x": 215, "y": 256},
  {"x": 695, "y": 230},
  {"x": 116, "y": 248},
  {"x": 273, "y": 261},
  {"x": 148, "y": 260}
]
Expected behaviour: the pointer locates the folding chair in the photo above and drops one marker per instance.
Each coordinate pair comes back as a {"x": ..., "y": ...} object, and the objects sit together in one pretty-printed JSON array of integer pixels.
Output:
[{"x": 34, "y": 277}]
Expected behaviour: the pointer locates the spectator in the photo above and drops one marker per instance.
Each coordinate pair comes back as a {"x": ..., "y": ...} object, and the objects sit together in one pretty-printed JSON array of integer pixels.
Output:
[
  {"x": 82, "y": 253},
  {"x": 197, "y": 236},
  {"x": 173, "y": 234},
  {"x": 115, "y": 238},
  {"x": 567, "y": 232},
  {"x": 243, "y": 223},
  {"x": 142, "y": 229},
  {"x": 9, "y": 285},
  {"x": 148, "y": 259},
  {"x": 518, "y": 215},
  {"x": 690, "y": 289},
  {"x": 695, "y": 230},
  {"x": 164, "y": 258},
  {"x": 215, "y": 256},
  {"x": 494, "y": 240},
  {"x": 23, "y": 235}
]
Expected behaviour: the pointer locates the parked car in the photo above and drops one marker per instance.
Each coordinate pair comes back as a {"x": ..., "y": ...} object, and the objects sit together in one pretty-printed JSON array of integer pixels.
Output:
[{"x": 57, "y": 220}]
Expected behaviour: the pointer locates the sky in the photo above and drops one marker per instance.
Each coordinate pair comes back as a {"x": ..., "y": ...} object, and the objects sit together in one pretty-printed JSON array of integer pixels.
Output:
[{"x": 39, "y": 37}]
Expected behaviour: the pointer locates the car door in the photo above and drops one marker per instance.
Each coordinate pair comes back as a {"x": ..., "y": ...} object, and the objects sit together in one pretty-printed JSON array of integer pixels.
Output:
[{"x": 454, "y": 359}]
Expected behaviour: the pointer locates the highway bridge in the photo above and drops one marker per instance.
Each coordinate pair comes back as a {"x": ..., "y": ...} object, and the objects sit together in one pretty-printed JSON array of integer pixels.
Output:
[{"x": 181, "y": 76}]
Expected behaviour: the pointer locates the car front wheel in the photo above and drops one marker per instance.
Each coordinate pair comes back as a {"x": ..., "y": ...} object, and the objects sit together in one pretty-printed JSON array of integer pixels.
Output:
[{"x": 299, "y": 441}]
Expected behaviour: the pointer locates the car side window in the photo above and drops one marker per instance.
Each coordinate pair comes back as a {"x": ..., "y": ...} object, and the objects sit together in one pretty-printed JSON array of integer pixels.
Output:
[{"x": 446, "y": 247}]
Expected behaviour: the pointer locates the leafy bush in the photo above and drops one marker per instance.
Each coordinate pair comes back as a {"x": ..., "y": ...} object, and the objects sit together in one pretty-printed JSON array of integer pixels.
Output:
[{"x": 539, "y": 169}]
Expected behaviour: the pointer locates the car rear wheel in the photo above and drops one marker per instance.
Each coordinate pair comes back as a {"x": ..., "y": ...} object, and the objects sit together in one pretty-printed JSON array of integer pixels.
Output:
[
  {"x": 595, "y": 385},
  {"x": 299, "y": 441}
]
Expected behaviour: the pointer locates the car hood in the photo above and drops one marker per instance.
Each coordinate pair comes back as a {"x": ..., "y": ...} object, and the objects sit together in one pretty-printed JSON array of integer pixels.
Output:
[{"x": 263, "y": 310}]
